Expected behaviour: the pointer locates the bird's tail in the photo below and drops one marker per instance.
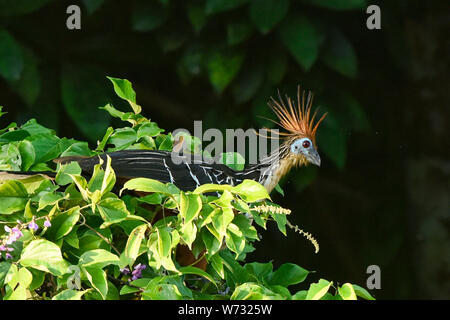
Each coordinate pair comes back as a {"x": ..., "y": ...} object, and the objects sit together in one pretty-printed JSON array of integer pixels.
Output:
[{"x": 19, "y": 175}]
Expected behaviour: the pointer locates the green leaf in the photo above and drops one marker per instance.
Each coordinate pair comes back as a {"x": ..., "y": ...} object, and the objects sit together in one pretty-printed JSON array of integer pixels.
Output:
[
  {"x": 124, "y": 90},
  {"x": 46, "y": 146},
  {"x": 234, "y": 160},
  {"x": 45, "y": 256},
  {"x": 1, "y": 114},
  {"x": 27, "y": 154},
  {"x": 147, "y": 16},
  {"x": 112, "y": 211},
  {"x": 97, "y": 277},
  {"x": 221, "y": 219},
  {"x": 127, "y": 290},
  {"x": 281, "y": 221},
  {"x": 98, "y": 258},
  {"x": 164, "y": 242},
  {"x": 150, "y": 185},
  {"x": 279, "y": 189},
  {"x": 63, "y": 223},
  {"x": 266, "y": 14},
  {"x": 189, "y": 233},
  {"x": 63, "y": 171},
  {"x": 70, "y": 294},
  {"x": 38, "y": 279},
  {"x": 164, "y": 142},
  {"x": 339, "y": 4},
  {"x": 72, "y": 238},
  {"x": 217, "y": 264},
  {"x": 123, "y": 138},
  {"x": 4, "y": 269},
  {"x": 299, "y": 295},
  {"x": 10, "y": 158},
  {"x": 360, "y": 292},
  {"x": 49, "y": 199},
  {"x": 149, "y": 129},
  {"x": 259, "y": 270},
  {"x": 303, "y": 40},
  {"x": 318, "y": 290},
  {"x": 190, "y": 206},
  {"x": 237, "y": 272},
  {"x": 347, "y": 292},
  {"x": 13, "y": 196},
  {"x": 212, "y": 244},
  {"x": 238, "y": 32},
  {"x": 196, "y": 15},
  {"x": 209, "y": 187},
  {"x": 244, "y": 224},
  {"x": 198, "y": 272},
  {"x": 23, "y": 279},
  {"x": 235, "y": 239},
  {"x": 101, "y": 144},
  {"x": 251, "y": 191},
  {"x": 82, "y": 93},
  {"x": 287, "y": 274},
  {"x": 134, "y": 241},
  {"x": 33, "y": 128},
  {"x": 163, "y": 291},
  {"x": 222, "y": 67},
  {"x": 340, "y": 55},
  {"x": 78, "y": 149},
  {"x": 11, "y": 59},
  {"x": 254, "y": 291},
  {"x": 216, "y": 6}
]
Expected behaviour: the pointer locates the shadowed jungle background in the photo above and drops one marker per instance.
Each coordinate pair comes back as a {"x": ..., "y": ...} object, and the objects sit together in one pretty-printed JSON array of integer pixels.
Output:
[{"x": 382, "y": 193}]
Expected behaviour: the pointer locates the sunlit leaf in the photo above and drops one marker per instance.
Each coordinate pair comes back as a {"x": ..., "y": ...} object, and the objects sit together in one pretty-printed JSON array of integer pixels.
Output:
[{"x": 44, "y": 255}]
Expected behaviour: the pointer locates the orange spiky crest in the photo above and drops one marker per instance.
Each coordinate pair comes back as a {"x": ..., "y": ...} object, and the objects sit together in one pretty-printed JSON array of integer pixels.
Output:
[{"x": 296, "y": 120}]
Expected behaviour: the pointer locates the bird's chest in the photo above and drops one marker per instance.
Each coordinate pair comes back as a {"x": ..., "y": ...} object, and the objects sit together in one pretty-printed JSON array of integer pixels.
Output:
[{"x": 275, "y": 173}]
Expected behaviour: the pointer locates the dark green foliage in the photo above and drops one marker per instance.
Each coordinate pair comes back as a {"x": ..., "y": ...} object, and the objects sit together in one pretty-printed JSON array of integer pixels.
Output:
[
  {"x": 243, "y": 48},
  {"x": 84, "y": 236}
]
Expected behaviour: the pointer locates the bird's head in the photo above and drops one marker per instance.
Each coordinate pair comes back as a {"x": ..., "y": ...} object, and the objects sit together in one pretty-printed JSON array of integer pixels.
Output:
[{"x": 300, "y": 136}]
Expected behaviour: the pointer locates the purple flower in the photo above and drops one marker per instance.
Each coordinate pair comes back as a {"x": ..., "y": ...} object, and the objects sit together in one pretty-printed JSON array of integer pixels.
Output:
[
  {"x": 2, "y": 248},
  {"x": 47, "y": 223},
  {"x": 136, "y": 275},
  {"x": 125, "y": 270},
  {"x": 7, "y": 229},
  {"x": 137, "y": 272},
  {"x": 140, "y": 267},
  {"x": 33, "y": 226},
  {"x": 11, "y": 239},
  {"x": 8, "y": 256},
  {"x": 17, "y": 233}
]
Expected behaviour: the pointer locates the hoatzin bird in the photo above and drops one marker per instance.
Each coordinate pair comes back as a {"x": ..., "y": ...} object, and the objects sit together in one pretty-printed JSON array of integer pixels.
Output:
[{"x": 298, "y": 148}]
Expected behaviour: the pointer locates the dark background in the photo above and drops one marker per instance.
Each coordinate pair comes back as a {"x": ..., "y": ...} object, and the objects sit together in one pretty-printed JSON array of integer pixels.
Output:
[{"x": 381, "y": 195}]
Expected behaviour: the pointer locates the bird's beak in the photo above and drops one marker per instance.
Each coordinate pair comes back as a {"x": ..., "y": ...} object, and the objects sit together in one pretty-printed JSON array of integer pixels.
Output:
[{"x": 314, "y": 157}]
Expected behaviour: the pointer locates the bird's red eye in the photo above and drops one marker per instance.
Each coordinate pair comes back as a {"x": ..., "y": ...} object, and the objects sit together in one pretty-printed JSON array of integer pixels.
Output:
[{"x": 306, "y": 144}]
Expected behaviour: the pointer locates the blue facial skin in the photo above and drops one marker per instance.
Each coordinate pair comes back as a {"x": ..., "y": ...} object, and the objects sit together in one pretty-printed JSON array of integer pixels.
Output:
[{"x": 305, "y": 147}]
